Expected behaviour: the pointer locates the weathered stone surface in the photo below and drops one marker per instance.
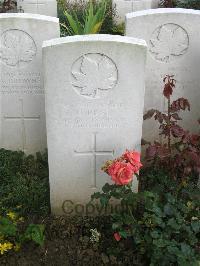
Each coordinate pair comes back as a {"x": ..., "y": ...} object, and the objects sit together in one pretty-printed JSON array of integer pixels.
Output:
[
  {"x": 42, "y": 7},
  {"x": 172, "y": 36},
  {"x": 22, "y": 124},
  {"x": 94, "y": 103},
  {"x": 126, "y": 6}
]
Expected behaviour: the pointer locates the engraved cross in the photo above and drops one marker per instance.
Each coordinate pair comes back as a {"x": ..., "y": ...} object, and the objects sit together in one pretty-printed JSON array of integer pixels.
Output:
[
  {"x": 40, "y": 4},
  {"x": 23, "y": 118},
  {"x": 37, "y": 3},
  {"x": 94, "y": 153}
]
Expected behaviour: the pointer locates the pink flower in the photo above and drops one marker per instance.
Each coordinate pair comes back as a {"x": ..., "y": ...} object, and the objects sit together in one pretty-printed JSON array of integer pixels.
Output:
[
  {"x": 117, "y": 236},
  {"x": 133, "y": 157},
  {"x": 121, "y": 172}
]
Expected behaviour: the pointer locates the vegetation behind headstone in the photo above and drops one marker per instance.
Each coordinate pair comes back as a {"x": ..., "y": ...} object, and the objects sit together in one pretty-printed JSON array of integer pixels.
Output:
[
  {"x": 192, "y": 4},
  {"x": 6, "y": 5}
]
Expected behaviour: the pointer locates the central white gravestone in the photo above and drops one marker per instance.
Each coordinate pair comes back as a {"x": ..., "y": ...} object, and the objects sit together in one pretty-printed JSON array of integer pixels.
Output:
[
  {"x": 94, "y": 104},
  {"x": 172, "y": 36},
  {"x": 42, "y": 7},
  {"x": 22, "y": 114}
]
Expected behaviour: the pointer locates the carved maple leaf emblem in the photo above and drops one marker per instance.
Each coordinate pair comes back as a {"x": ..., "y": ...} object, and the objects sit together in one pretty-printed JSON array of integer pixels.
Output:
[
  {"x": 16, "y": 46},
  {"x": 95, "y": 73},
  {"x": 168, "y": 41}
]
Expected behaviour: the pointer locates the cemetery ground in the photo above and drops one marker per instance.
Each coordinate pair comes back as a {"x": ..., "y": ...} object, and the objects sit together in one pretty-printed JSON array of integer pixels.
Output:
[
  {"x": 68, "y": 240},
  {"x": 166, "y": 219},
  {"x": 162, "y": 218},
  {"x": 159, "y": 225}
]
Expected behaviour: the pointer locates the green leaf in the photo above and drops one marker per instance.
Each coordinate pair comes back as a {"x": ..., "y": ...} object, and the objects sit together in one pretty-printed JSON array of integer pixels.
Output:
[
  {"x": 168, "y": 209},
  {"x": 195, "y": 226},
  {"x": 74, "y": 24},
  {"x": 116, "y": 225},
  {"x": 7, "y": 228},
  {"x": 35, "y": 233},
  {"x": 93, "y": 19},
  {"x": 157, "y": 210},
  {"x": 186, "y": 249},
  {"x": 96, "y": 195},
  {"x": 173, "y": 224},
  {"x": 123, "y": 234},
  {"x": 106, "y": 188},
  {"x": 104, "y": 200},
  {"x": 160, "y": 243},
  {"x": 155, "y": 234}
]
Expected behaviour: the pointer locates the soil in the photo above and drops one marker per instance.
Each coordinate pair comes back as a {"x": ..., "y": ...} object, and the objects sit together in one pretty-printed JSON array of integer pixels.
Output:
[{"x": 67, "y": 242}]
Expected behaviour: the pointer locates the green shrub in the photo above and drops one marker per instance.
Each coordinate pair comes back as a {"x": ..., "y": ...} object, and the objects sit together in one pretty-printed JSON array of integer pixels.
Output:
[
  {"x": 192, "y": 4},
  {"x": 92, "y": 20},
  {"x": 24, "y": 182},
  {"x": 162, "y": 226},
  {"x": 161, "y": 223},
  {"x": 79, "y": 10}
]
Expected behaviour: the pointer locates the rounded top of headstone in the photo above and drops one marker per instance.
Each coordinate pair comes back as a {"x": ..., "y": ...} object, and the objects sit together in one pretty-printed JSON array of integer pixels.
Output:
[
  {"x": 94, "y": 38},
  {"x": 162, "y": 11},
  {"x": 28, "y": 16}
]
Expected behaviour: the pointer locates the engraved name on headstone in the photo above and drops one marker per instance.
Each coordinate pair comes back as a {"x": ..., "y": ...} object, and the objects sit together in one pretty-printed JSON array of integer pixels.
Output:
[
  {"x": 21, "y": 87},
  {"x": 172, "y": 36},
  {"x": 94, "y": 106}
]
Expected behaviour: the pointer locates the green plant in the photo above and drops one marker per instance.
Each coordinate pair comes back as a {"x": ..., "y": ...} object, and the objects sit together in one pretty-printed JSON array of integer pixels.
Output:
[
  {"x": 164, "y": 217},
  {"x": 153, "y": 223},
  {"x": 78, "y": 12},
  {"x": 35, "y": 233},
  {"x": 24, "y": 182},
  {"x": 13, "y": 234},
  {"x": 193, "y": 4},
  {"x": 93, "y": 20},
  {"x": 77, "y": 7}
]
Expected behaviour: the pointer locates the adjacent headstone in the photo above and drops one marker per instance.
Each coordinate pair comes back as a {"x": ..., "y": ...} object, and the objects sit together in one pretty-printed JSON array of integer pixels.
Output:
[
  {"x": 22, "y": 113},
  {"x": 126, "y": 6},
  {"x": 94, "y": 103},
  {"x": 172, "y": 36},
  {"x": 42, "y": 7}
]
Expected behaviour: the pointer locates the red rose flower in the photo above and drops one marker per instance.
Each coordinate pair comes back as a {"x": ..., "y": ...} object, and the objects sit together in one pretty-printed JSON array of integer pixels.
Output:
[
  {"x": 133, "y": 157},
  {"x": 121, "y": 172},
  {"x": 117, "y": 236}
]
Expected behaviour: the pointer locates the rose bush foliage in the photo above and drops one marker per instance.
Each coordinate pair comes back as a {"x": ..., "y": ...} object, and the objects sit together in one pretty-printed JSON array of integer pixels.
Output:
[
  {"x": 161, "y": 223},
  {"x": 179, "y": 151}
]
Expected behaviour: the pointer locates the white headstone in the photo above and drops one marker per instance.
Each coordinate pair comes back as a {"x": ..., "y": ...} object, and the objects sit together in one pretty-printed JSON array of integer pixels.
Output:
[
  {"x": 172, "y": 36},
  {"x": 42, "y": 7},
  {"x": 126, "y": 6},
  {"x": 94, "y": 103},
  {"x": 22, "y": 114}
]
